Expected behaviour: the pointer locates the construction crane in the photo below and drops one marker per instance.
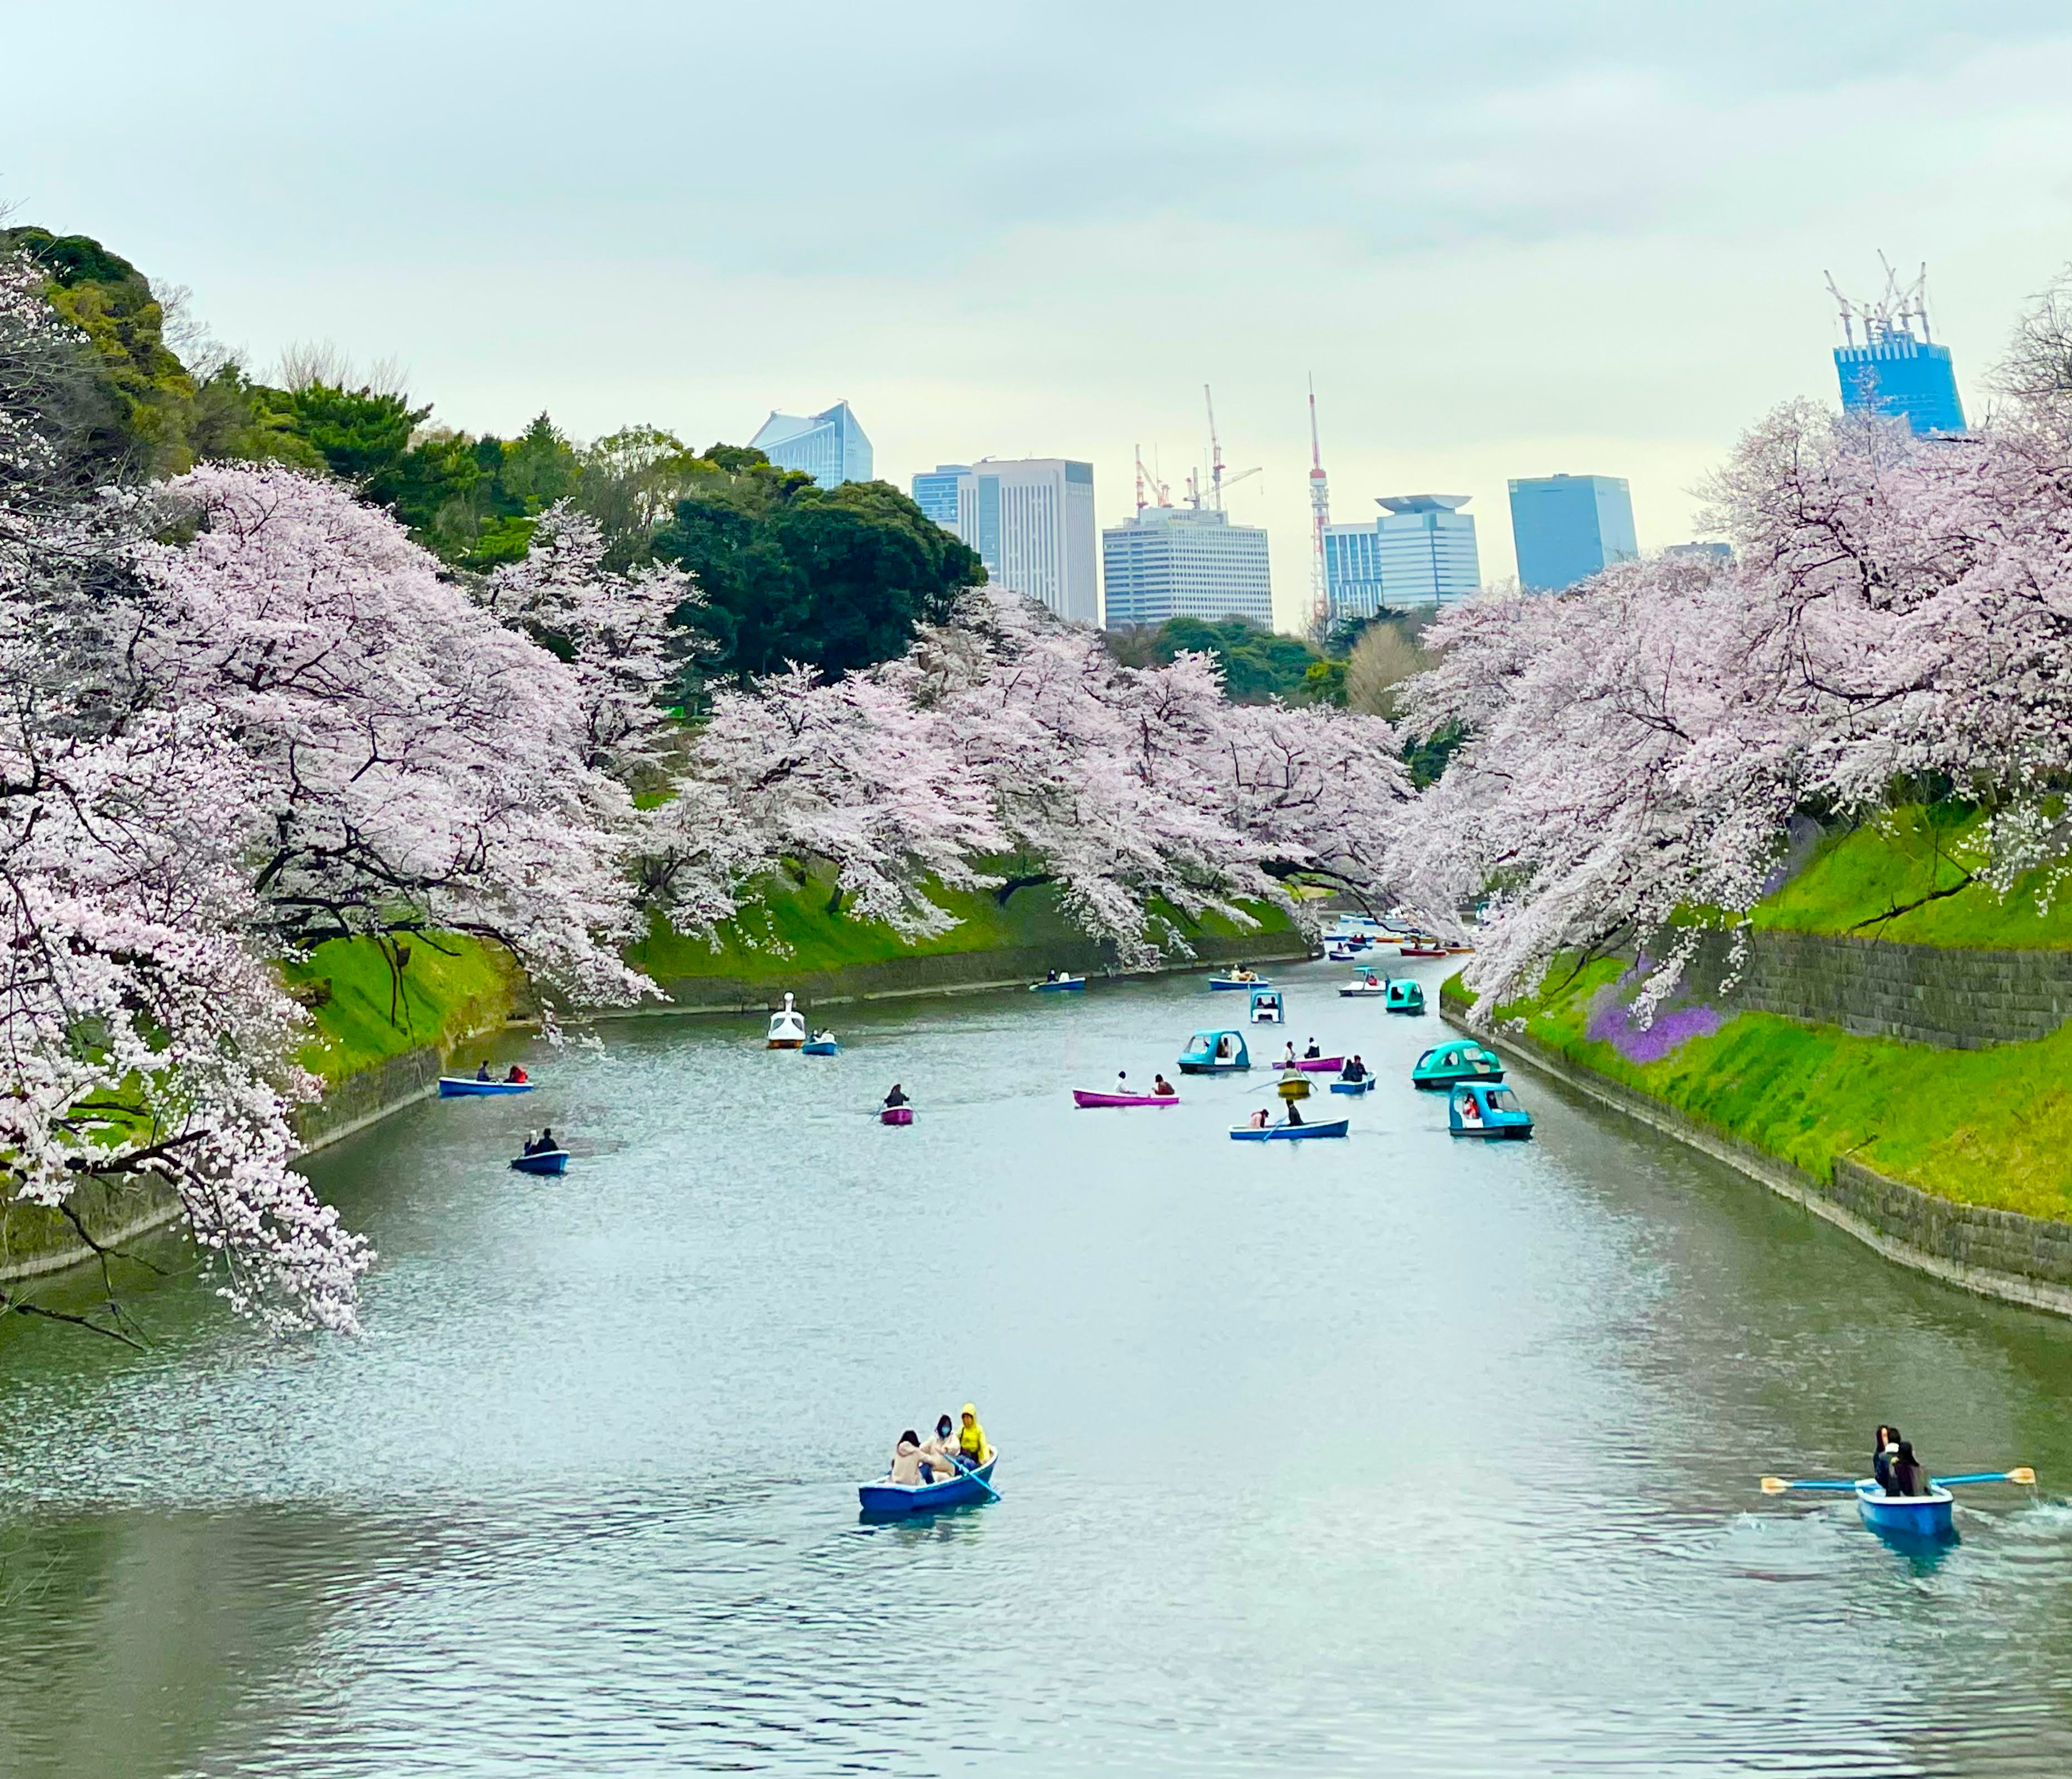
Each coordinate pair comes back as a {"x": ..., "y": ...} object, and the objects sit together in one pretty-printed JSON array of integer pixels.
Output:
[
  {"x": 1320, "y": 514},
  {"x": 1218, "y": 481},
  {"x": 1162, "y": 495}
]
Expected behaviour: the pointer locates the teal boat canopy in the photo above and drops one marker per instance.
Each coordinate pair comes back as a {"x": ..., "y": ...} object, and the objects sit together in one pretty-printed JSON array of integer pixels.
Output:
[{"x": 1213, "y": 1053}]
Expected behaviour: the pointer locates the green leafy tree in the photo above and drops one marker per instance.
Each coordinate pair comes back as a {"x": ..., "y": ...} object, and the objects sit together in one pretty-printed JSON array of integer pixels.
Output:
[
  {"x": 360, "y": 434},
  {"x": 835, "y": 578}
]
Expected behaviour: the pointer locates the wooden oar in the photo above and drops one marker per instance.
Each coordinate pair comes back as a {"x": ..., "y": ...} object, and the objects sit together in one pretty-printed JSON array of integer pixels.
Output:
[{"x": 2021, "y": 1473}]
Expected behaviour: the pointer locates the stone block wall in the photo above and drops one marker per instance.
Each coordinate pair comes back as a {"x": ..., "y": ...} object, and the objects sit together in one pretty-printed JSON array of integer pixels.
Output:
[{"x": 1955, "y": 999}]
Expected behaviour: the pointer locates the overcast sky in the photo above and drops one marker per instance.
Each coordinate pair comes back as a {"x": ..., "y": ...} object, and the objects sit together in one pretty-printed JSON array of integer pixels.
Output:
[{"x": 1586, "y": 237}]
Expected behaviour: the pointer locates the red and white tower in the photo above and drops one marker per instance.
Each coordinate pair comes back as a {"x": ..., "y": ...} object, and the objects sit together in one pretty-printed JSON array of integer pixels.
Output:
[{"x": 1320, "y": 513}]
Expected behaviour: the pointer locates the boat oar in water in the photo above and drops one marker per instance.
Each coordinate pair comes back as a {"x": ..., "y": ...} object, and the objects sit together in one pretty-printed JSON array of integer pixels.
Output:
[{"x": 2021, "y": 1473}]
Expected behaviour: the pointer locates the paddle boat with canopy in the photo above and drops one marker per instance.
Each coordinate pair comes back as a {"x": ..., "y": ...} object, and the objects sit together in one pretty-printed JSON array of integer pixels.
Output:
[
  {"x": 967, "y": 1489},
  {"x": 1405, "y": 996},
  {"x": 788, "y": 1027},
  {"x": 1266, "y": 1008},
  {"x": 1446, "y": 1066},
  {"x": 1058, "y": 985},
  {"x": 1214, "y": 1052},
  {"x": 1370, "y": 985},
  {"x": 1238, "y": 978},
  {"x": 1483, "y": 1109},
  {"x": 461, "y": 1086},
  {"x": 1084, "y": 1097},
  {"x": 1287, "y": 1133},
  {"x": 542, "y": 1162}
]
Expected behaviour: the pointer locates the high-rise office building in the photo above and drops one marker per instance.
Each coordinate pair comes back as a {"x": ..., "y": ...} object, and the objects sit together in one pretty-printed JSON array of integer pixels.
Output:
[
  {"x": 1184, "y": 562},
  {"x": 1566, "y": 527},
  {"x": 1031, "y": 520},
  {"x": 1420, "y": 551},
  {"x": 830, "y": 446},
  {"x": 936, "y": 492},
  {"x": 1896, "y": 370}
]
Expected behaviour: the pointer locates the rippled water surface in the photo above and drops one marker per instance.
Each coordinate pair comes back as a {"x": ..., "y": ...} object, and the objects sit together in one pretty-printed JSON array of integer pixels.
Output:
[{"x": 1396, "y": 1456}]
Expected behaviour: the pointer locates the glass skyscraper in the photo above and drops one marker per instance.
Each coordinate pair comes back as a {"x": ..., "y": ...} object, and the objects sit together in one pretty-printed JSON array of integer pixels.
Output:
[
  {"x": 1184, "y": 562},
  {"x": 1567, "y": 528},
  {"x": 1420, "y": 552},
  {"x": 1031, "y": 520},
  {"x": 1898, "y": 374},
  {"x": 830, "y": 446}
]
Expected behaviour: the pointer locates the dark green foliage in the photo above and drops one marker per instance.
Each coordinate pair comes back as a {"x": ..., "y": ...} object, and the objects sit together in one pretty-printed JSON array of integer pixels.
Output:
[
  {"x": 1258, "y": 665},
  {"x": 834, "y": 578},
  {"x": 1426, "y": 757},
  {"x": 360, "y": 435}
]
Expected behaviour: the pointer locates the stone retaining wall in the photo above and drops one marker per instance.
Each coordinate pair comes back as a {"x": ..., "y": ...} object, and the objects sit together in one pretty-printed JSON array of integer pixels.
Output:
[
  {"x": 1994, "y": 1253},
  {"x": 1926, "y": 994}
]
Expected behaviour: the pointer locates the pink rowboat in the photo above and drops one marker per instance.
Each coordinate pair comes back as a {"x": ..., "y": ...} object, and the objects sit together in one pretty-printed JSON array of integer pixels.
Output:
[
  {"x": 896, "y": 1115},
  {"x": 1081, "y": 1097},
  {"x": 1313, "y": 1065}
]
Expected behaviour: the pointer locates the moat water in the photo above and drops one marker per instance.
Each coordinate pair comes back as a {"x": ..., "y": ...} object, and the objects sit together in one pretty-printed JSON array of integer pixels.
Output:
[{"x": 1397, "y": 1456}]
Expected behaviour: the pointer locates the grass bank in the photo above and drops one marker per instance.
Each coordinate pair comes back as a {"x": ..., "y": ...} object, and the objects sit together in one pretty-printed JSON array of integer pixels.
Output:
[
  {"x": 1990, "y": 1128},
  {"x": 366, "y": 1012},
  {"x": 1908, "y": 877}
]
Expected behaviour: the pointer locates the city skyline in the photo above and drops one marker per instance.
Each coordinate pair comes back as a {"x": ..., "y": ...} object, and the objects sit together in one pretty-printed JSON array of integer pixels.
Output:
[{"x": 1483, "y": 277}]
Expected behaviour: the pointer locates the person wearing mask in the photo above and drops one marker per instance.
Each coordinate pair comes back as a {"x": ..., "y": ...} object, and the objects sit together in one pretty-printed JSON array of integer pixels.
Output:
[
  {"x": 972, "y": 1447},
  {"x": 1885, "y": 1448},
  {"x": 906, "y": 1462},
  {"x": 1908, "y": 1477},
  {"x": 938, "y": 1453}
]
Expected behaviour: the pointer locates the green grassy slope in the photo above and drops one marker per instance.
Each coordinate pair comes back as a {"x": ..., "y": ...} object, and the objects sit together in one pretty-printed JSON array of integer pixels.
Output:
[
  {"x": 792, "y": 930},
  {"x": 1859, "y": 881},
  {"x": 1990, "y": 1127},
  {"x": 450, "y": 987}
]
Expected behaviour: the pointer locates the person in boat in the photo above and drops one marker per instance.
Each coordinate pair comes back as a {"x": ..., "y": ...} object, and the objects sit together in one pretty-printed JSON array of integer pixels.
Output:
[
  {"x": 1294, "y": 1113},
  {"x": 533, "y": 1137},
  {"x": 906, "y": 1461},
  {"x": 1161, "y": 1087},
  {"x": 1470, "y": 1109},
  {"x": 548, "y": 1145},
  {"x": 517, "y": 1077},
  {"x": 897, "y": 1098},
  {"x": 1313, "y": 1053},
  {"x": 1908, "y": 1477},
  {"x": 1289, "y": 1061},
  {"x": 1354, "y": 1070},
  {"x": 1373, "y": 981},
  {"x": 972, "y": 1450},
  {"x": 1122, "y": 1081},
  {"x": 483, "y": 1073},
  {"x": 1885, "y": 1448},
  {"x": 1050, "y": 975},
  {"x": 1258, "y": 1118},
  {"x": 1225, "y": 1050},
  {"x": 939, "y": 1452}
]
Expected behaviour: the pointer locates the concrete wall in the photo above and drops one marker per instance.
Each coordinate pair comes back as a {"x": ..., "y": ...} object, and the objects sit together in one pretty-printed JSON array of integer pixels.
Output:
[
  {"x": 1955, "y": 999},
  {"x": 1995, "y": 1253}
]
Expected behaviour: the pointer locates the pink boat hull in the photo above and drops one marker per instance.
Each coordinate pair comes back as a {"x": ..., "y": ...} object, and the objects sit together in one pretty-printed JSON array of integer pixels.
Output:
[
  {"x": 1314, "y": 1065},
  {"x": 896, "y": 1115},
  {"x": 1081, "y": 1097}
]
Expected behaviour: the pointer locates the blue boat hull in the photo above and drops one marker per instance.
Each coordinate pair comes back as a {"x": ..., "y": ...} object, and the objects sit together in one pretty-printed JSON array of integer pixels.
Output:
[
  {"x": 1224, "y": 985},
  {"x": 452, "y": 1087},
  {"x": 553, "y": 1161},
  {"x": 819, "y": 1050},
  {"x": 1366, "y": 1086},
  {"x": 886, "y": 1498},
  {"x": 1285, "y": 1133},
  {"x": 1070, "y": 987},
  {"x": 1905, "y": 1516}
]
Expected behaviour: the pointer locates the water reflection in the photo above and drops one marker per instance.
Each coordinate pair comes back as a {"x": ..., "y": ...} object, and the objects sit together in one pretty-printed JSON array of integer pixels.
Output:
[{"x": 1397, "y": 1456}]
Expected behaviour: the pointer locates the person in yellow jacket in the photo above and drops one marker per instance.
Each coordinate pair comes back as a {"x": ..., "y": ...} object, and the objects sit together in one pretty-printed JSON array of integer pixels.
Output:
[{"x": 971, "y": 1440}]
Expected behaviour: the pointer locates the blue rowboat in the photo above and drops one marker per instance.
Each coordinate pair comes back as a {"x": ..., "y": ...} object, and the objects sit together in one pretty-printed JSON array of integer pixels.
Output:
[
  {"x": 927, "y": 1498},
  {"x": 459, "y": 1087},
  {"x": 1365, "y": 1084},
  {"x": 1238, "y": 982},
  {"x": 1287, "y": 1133},
  {"x": 1058, "y": 985},
  {"x": 551, "y": 1161},
  {"x": 821, "y": 1047},
  {"x": 1905, "y": 1516}
]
